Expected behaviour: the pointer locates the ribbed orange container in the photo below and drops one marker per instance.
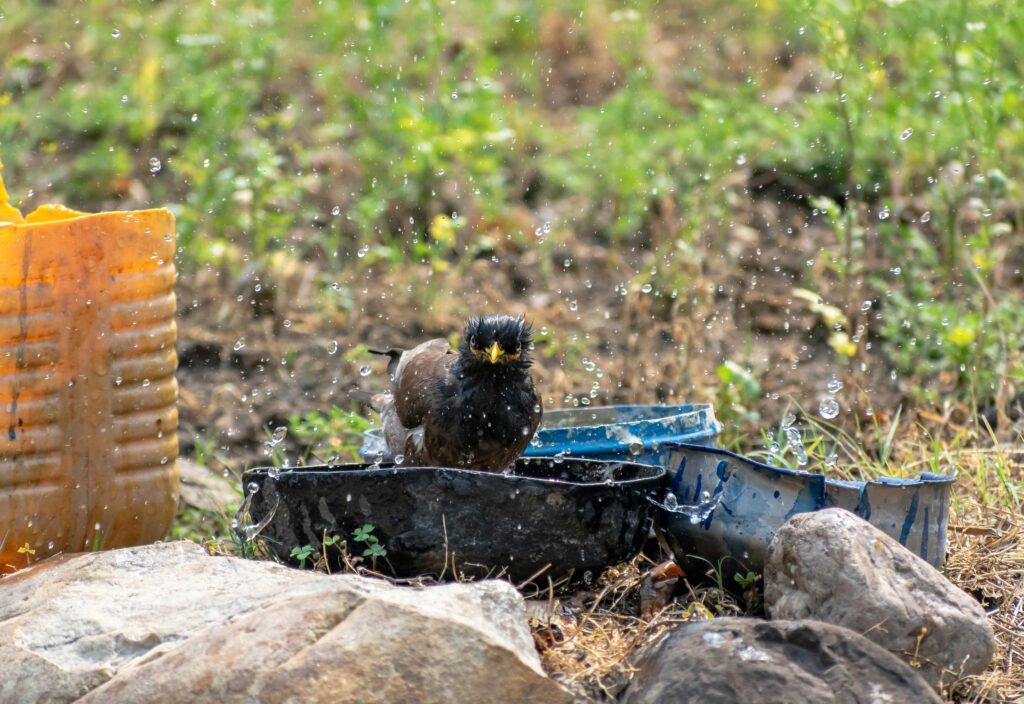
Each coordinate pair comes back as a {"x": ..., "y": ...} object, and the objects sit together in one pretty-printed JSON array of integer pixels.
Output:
[{"x": 88, "y": 415}]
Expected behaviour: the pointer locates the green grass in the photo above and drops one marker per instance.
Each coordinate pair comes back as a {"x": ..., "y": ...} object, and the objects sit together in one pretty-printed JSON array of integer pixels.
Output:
[{"x": 323, "y": 128}]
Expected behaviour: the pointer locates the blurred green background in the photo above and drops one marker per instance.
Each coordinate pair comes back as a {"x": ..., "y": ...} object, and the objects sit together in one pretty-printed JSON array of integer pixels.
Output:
[{"x": 416, "y": 131}]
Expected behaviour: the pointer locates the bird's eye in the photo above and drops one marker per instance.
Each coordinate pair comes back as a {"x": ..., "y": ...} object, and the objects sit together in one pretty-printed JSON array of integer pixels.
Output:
[{"x": 472, "y": 341}]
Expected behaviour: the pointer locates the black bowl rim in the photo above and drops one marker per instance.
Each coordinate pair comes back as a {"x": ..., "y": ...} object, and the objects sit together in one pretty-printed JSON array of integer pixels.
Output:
[{"x": 657, "y": 472}]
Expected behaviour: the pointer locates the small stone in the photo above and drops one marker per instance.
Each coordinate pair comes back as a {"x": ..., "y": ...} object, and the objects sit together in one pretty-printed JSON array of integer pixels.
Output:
[
  {"x": 728, "y": 660},
  {"x": 833, "y": 566}
]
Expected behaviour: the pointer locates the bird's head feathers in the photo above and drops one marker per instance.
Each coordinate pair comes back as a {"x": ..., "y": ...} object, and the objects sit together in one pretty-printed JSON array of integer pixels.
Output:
[{"x": 497, "y": 339}]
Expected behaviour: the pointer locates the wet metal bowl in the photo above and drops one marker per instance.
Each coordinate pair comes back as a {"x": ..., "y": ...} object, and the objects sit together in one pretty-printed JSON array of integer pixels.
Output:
[{"x": 557, "y": 517}]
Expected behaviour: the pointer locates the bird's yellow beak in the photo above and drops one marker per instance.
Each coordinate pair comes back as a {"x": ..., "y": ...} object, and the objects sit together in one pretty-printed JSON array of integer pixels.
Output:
[{"x": 494, "y": 353}]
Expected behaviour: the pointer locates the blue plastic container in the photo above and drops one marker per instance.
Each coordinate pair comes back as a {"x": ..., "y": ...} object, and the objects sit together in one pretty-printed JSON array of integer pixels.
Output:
[
  {"x": 623, "y": 433},
  {"x": 729, "y": 507}
]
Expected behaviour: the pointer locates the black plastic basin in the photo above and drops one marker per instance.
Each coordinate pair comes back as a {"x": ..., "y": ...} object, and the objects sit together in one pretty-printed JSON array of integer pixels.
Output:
[{"x": 571, "y": 515}]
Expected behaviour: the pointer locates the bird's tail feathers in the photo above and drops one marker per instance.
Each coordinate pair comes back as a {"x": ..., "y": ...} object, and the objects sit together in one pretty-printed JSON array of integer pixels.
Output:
[{"x": 393, "y": 352}]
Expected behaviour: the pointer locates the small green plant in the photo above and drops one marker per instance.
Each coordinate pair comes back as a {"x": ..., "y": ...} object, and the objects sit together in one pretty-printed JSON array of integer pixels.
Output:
[
  {"x": 737, "y": 394},
  {"x": 303, "y": 553},
  {"x": 337, "y": 433},
  {"x": 374, "y": 549},
  {"x": 748, "y": 583}
]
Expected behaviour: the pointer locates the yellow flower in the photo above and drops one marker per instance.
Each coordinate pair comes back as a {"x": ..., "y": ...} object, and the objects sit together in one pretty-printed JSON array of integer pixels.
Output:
[
  {"x": 442, "y": 229},
  {"x": 462, "y": 138},
  {"x": 961, "y": 336},
  {"x": 829, "y": 313},
  {"x": 841, "y": 343},
  {"x": 26, "y": 549}
]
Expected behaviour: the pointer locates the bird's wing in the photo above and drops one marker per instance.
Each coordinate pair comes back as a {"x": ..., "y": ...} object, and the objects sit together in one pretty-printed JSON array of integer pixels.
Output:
[
  {"x": 407, "y": 442},
  {"x": 416, "y": 377}
]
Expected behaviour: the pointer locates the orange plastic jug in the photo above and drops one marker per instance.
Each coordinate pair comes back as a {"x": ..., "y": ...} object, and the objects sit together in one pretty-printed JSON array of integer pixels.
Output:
[{"x": 88, "y": 398}]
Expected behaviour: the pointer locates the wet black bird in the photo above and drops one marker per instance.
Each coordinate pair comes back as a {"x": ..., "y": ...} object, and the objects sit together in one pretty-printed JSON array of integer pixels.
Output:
[{"x": 475, "y": 407}]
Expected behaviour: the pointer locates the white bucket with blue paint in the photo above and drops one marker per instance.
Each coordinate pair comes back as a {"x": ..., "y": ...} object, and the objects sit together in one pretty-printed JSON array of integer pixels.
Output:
[{"x": 725, "y": 509}]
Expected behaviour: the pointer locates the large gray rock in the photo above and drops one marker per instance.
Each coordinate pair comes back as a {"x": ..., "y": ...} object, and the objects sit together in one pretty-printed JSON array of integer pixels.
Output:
[
  {"x": 167, "y": 623},
  {"x": 745, "y": 660},
  {"x": 833, "y": 566},
  {"x": 204, "y": 489}
]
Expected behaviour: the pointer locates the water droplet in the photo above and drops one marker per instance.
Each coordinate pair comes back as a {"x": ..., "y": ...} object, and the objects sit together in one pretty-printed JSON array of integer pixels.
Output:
[
  {"x": 834, "y": 385},
  {"x": 788, "y": 420},
  {"x": 362, "y": 251},
  {"x": 831, "y": 459},
  {"x": 336, "y": 210},
  {"x": 670, "y": 501},
  {"x": 925, "y": 216},
  {"x": 455, "y": 96},
  {"x": 273, "y": 472},
  {"x": 647, "y": 288},
  {"x": 905, "y": 135},
  {"x": 145, "y": 383},
  {"x": 239, "y": 344},
  {"x": 884, "y": 213},
  {"x": 252, "y": 487},
  {"x": 279, "y": 434},
  {"x": 365, "y": 370},
  {"x": 124, "y": 98},
  {"x": 588, "y": 364},
  {"x": 116, "y": 34},
  {"x": 332, "y": 347},
  {"x": 573, "y": 306},
  {"x": 865, "y": 306},
  {"x": 828, "y": 408},
  {"x": 399, "y": 459},
  {"x": 155, "y": 165}
]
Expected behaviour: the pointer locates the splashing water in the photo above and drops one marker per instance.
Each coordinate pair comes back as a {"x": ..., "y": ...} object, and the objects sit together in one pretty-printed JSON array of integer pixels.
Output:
[
  {"x": 697, "y": 512},
  {"x": 795, "y": 441},
  {"x": 242, "y": 524},
  {"x": 828, "y": 408}
]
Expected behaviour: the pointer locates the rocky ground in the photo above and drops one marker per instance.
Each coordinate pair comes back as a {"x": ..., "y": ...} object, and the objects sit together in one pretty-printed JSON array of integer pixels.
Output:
[{"x": 854, "y": 617}]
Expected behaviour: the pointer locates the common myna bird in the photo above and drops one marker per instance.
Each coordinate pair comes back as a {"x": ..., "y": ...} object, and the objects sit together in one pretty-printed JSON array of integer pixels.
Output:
[{"x": 474, "y": 408}]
